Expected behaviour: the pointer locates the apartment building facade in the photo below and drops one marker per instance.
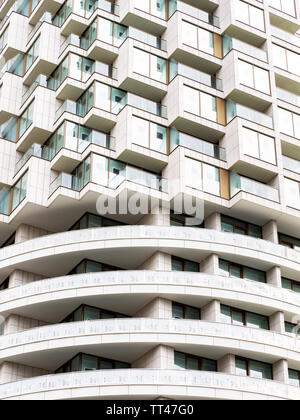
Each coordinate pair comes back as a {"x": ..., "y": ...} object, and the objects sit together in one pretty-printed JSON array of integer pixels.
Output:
[{"x": 168, "y": 101}]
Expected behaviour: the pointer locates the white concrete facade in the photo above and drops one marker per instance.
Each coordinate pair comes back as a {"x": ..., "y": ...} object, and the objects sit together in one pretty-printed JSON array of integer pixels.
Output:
[{"x": 163, "y": 103}]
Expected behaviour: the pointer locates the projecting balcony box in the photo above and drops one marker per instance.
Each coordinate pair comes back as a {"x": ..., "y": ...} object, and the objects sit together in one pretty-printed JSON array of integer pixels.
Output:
[
  {"x": 193, "y": 45},
  {"x": 141, "y": 70},
  {"x": 102, "y": 39},
  {"x": 246, "y": 81},
  {"x": 197, "y": 175},
  {"x": 142, "y": 139},
  {"x": 75, "y": 73},
  {"x": 243, "y": 21},
  {"x": 247, "y": 193},
  {"x": 50, "y": 6},
  {"x": 35, "y": 123},
  {"x": 287, "y": 18},
  {"x": 42, "y": 52},
  {"x": 251, "y": 149},
  {"x": 10, "y": 96},
  {"x": 13, "y": 36},
  {"x": 196, "y": 112},
  {"x": 147, "y": 15},
  {"x": 99, "y": 174}
]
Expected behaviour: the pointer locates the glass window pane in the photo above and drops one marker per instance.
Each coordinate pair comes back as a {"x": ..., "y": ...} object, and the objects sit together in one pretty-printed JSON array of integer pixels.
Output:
[
  {"x": 192, "y": 313},
  {"x": 178, "y": 311},
  {"x": 89, "y": 362},
  {"x": 241, "y": 367},
  {"x": 179, "y": 360},
  {"x": 260, "y": 370},
  {"x": 91, "y": 313}
]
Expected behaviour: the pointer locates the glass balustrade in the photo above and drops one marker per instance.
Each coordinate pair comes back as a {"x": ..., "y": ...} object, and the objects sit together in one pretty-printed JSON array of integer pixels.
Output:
[
  {"x": 193, "y": 143},
  {"x": 289, "y": 97},
  {"x": 112, "y": 100},
  {"x": 107, "y": 172},
  {"x": 176, "y": 68},
  {"x": 239, "y": 183},
  {"x": 236, "y": 110},
  {"x": 291, "y": 164},
  {"x": 235, "y": 44},
  {"x": 175, "y": 5},
  {"x": 83, "y": 8},
  {"x": 285, "y": 36}
]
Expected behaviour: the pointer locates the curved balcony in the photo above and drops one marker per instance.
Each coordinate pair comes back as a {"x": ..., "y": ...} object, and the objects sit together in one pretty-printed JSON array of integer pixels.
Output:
[
  {"x": 50, "y": 346},
  {"x": 39, "y": 298},
  {"x": 132, "y": 245},
  {"x": 147, "y": 384}
]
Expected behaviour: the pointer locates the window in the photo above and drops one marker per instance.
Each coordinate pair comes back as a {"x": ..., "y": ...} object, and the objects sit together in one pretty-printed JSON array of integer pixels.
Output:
[
  {"x": 292, "y": 190},
  {"x": 89, "y": 313},
  {"x": 254, "y": 77},
  {"x": 289, "y": 242},
  {"x": 81, "y": 175},
  {"x": 202, "y": 177},
  {"x": 294, "y": 377},
  {"x": 200, "y": 103},
  {"x": 31, "y": 55},
  {"x": 259, "y": 146},
  {"x": 290, "y": 285},
  {"x": 88, "y": 266},
  {"x": 190, "y": 362},
  {"x": 25, "y": 120},
  {"x": 286, "y": 6},
  {"x": 229, "y": 224},
  {"x": 4, "y": 285},
  {"x": 228, "y": 269},
  {"x": 180, "y": 311},
  {"x": 239, "y": 317},
  {"x": 286, "y": 59},
  {"x": 18, "y": 192},
  {"x": 289, "y": 328},
  {"x": 250, "y": 15},
  {"x": 289, "y": 123},
  {"x": 89, "y": 220},
  {"x": 149, "y": 65},
  {"x": 9, "y": 241},
  {"x": 148, "y": 134},
  {"x": 85, "y": 362},
  {"x": 198, "y": 38},
  {"x": 181, "y": 220},
  {"x": 253, "y": 368},
  {"x": 179, "y": 264},
  {"x": 155, "y": 8}
]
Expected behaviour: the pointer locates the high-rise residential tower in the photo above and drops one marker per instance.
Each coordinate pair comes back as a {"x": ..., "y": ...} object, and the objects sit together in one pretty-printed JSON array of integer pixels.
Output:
[{"x": 172, "y": 103}]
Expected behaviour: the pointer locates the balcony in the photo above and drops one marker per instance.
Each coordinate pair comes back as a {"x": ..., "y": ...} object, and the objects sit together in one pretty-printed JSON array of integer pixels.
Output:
[
  {"x": 112, "y": 179},
  {"x": 193, "y": 11},
  {"x": 239, "y": 183},
  {"x": 73, "y": 16},
  {"x": 243, "y": 47},
  {"x": 193, "y": 45},
  {"x": 145, "y": 15},
  {"x": 70, "y": 79},
  {"x": 289, "y": 97},
  {"x": 201, "y": 146},
  {"x": 176, "y": 68},
  {"x": 42, "y": 7},
  {"x": 285, "y": 36},
  {"x": 291, "y": 164},
  {"x": 236, "y": 110}
]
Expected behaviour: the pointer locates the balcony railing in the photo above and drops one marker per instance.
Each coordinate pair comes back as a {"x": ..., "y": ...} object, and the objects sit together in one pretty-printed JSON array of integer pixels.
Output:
[
  {"x": 239, "y": 183},
  {"x": 236, "y": 110},
  {"x": 146, "y": 38},
  {"x": 193, "y": 143},
  {"x": 130, "y": 173},
  {"x": 285, "y": 36},
  {"x": 41, "y": 80},
  {"x": 234, "y": 44},
  {"x": 289, "y": 97},
  {"x": 291, "y": 164},
  {"x": 193, "y": 12},
  {"x": 194, "y": 74}
]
